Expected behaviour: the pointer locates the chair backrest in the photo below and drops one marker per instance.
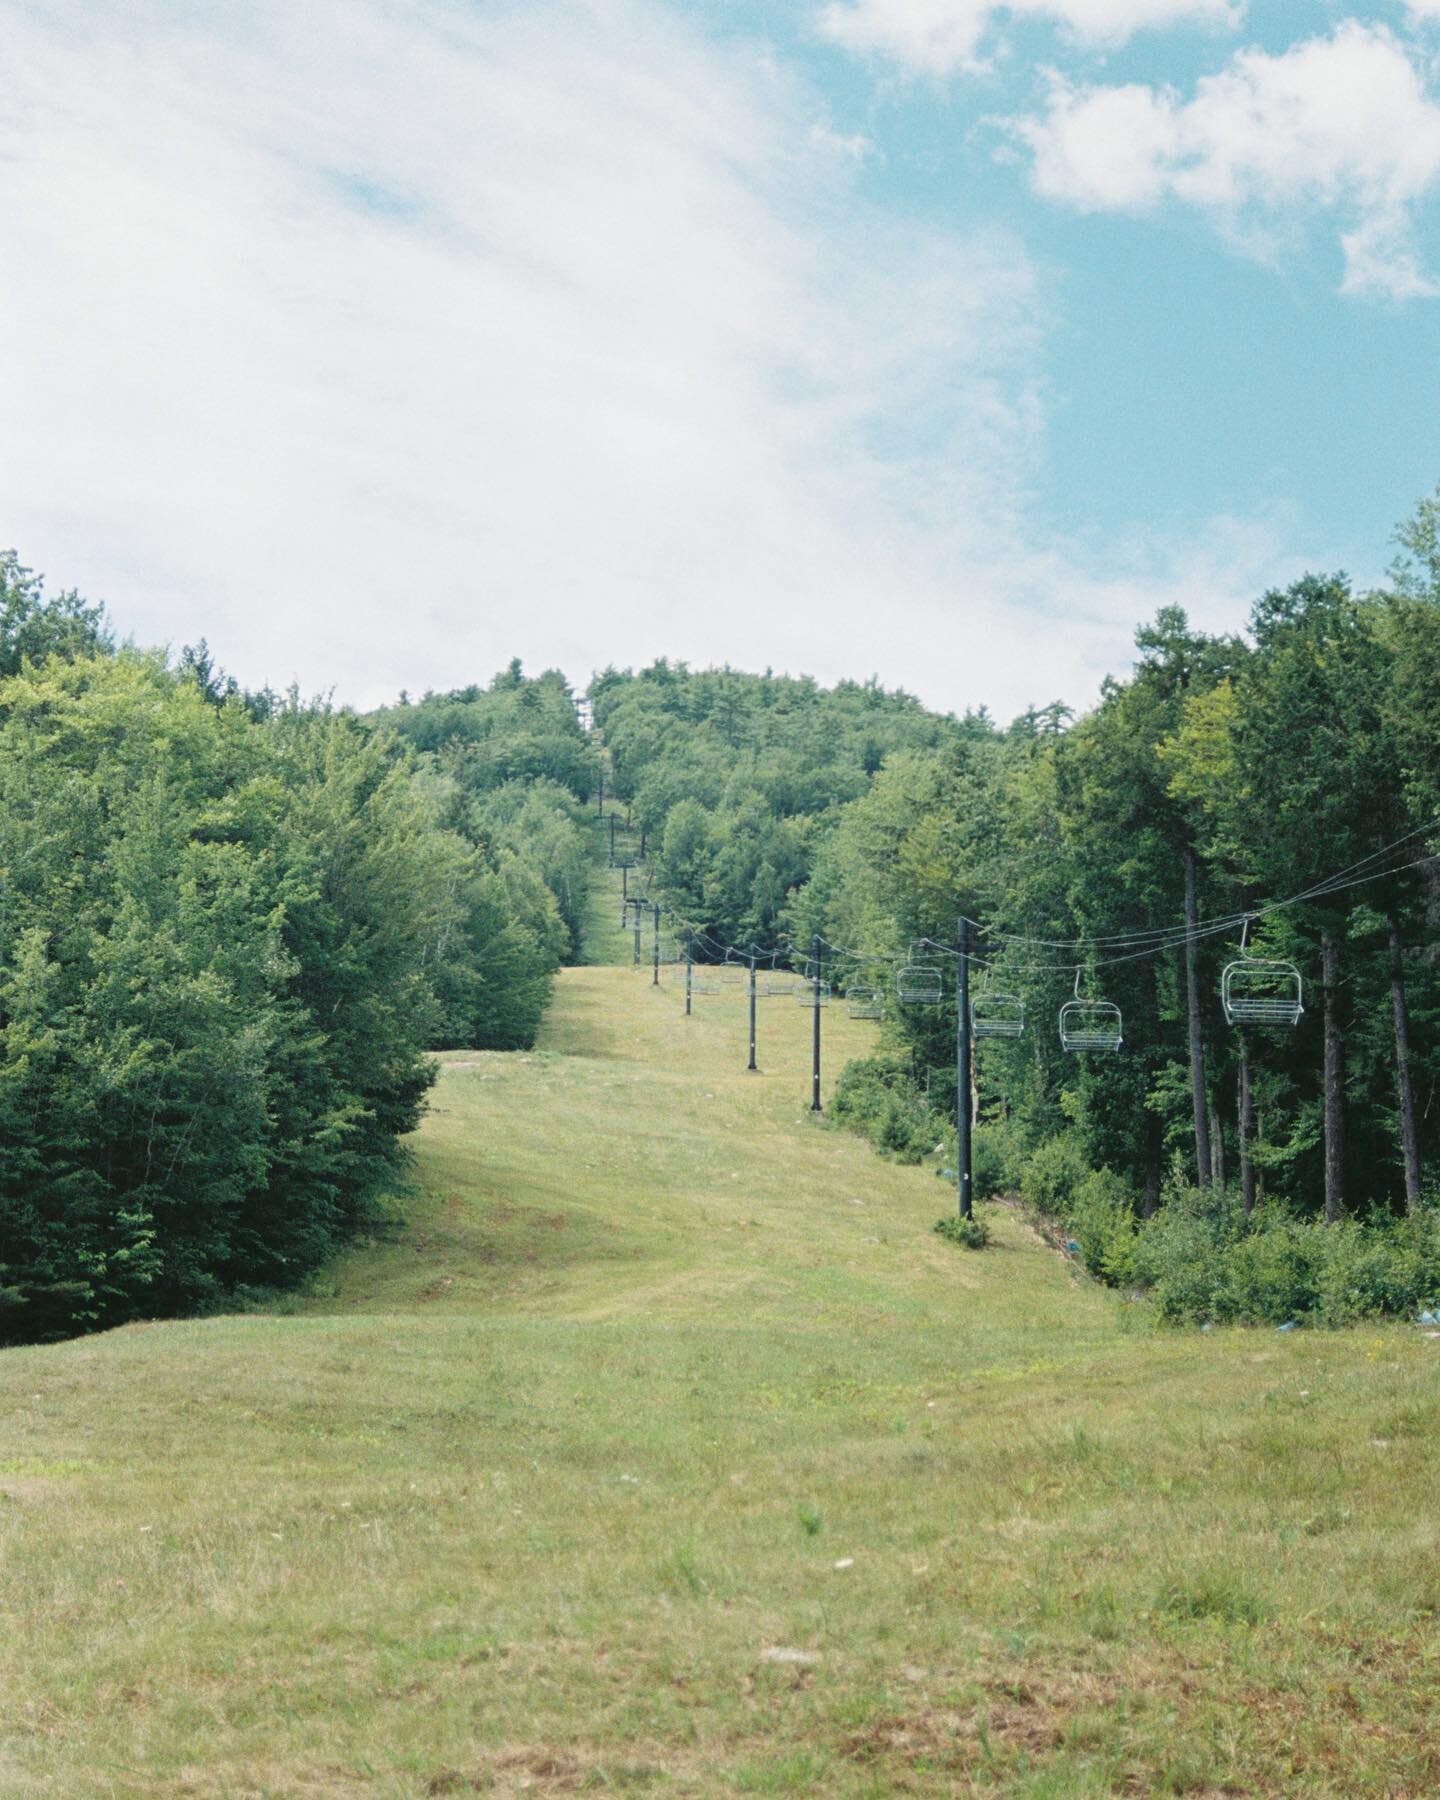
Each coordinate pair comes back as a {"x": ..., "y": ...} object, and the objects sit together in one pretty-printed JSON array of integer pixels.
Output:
[
  {"x": 1090, "y": 1025},
  {"x": 1261, "y": 991},
  {"x": 997, "y": 1016},
  {"x": 919, "y": 984}
]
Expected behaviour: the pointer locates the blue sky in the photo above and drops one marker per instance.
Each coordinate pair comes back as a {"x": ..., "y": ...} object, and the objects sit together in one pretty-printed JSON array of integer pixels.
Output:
[
  {"x": 379, "y": 343},
  {"x": 1185, "y": 379}
]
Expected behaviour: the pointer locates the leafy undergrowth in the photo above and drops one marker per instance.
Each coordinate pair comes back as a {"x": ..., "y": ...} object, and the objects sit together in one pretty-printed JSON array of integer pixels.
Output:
[
  {"x": 669, "y": 1449},
  {"x": 1200, "y": 1261}
]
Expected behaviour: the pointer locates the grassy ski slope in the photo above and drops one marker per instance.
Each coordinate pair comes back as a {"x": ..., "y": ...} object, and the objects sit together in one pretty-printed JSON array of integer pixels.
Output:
[{"x": 666, "y": 1448}]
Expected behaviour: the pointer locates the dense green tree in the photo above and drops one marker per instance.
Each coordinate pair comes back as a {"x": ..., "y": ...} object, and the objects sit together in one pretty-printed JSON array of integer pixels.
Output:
[
  {"x": 512, "y": 771},
  {"x": 34, "y": 626},
  {"x": 215, "y": 1004},
  {"x": 1221, "y": 776},
  {"x": 754, "y": 771}
]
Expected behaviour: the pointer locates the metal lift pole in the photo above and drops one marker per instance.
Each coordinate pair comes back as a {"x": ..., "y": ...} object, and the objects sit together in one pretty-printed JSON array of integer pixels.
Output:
[
  {"x": 815, "y": 953},
  {"x": 962, "y": 1072}
]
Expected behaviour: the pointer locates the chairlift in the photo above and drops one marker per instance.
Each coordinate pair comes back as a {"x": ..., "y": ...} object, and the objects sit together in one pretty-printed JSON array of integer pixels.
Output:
[
  {"x": 1257, "y": 990},
  {"x": 865, "y": 1003},
  {"x": 919, "y": 984},
  {"x": 996, "y": 1015},
  {"x": 813, "y": 993},
  {"x": 777, "y": 982},
  {"x": 702, "y": 979},
  {"x": 1090, "y": 1024}
]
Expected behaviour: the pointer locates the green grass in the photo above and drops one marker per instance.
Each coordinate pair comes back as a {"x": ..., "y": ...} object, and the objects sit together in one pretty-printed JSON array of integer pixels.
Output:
[
  {"x": 661, "y": 1377},
  {"x": 604, "y": 940}
]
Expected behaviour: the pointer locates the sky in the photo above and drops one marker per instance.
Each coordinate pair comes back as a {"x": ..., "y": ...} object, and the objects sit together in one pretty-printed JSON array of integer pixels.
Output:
[{"x": 932, "y": 339}]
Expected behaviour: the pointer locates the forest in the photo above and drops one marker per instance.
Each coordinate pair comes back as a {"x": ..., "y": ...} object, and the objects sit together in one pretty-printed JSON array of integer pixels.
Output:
[
  {"x": 233, "y": 924},
  {"x": 1267, "y": 801},
  {"x": 232, "y": 927}
]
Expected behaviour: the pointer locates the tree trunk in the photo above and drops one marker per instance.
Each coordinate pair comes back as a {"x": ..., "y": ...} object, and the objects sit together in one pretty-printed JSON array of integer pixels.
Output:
[
  {"x": 1430, "y": 875},
  {"x": 1260, "y": 1172},
  {"x": 1334, "y": 1080},
  {"x": 1404, "y": 1089},
  {"x": 1154, "y": 1153},
  {"x": 1217, "y": 1148},
  {"x": 1247, "y": 1124},
  {"x": 1152, "y": 1130},
  {"x": 1192, "y": 1007}
]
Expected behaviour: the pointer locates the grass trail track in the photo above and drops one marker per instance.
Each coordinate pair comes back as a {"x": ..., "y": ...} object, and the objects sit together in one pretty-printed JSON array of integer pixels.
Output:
[{"x": 663, "y": 1379}]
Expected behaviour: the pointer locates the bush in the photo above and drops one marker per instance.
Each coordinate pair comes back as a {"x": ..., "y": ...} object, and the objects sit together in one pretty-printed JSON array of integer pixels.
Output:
[
  {"x": 1271, "y": 1273},
  {"x": 1179, "y": 1253},
  {"x": 970, "y": 1234},
  {"x": 996, "y": 1159},
  {"x": 1373, "y": 1270},
  {"x": 877, "y": 1098},
  {"x": 1202, "y": 1260},
  {"x": 1103, "y": 1221},
  {"x": 1052, "y": 1176}
]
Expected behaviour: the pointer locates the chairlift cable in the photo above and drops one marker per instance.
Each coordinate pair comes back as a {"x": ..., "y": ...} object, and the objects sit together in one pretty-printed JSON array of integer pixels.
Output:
[
  {"x": 1106, "y": 962},
  {"x": 1162, "y": 939},
  {"x": 1178, "y": 934}
]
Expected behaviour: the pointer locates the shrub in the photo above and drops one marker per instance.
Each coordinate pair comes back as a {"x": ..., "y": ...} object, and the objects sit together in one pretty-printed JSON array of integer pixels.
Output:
[
  {"x": 996, "y": 1159},
  {"x": 1052, "y": 1176},
  {"x": 877, "y": 1098},
  {"x": 1201, "y": 1259},
  {"x": 970, "y": 1234},
  {"x": 1103, "y": 1221},
  {"x": 1370, "y": 1270},
  {"x": 1178, "y": 1254},
  {"x": 1271, "y": 1273}
]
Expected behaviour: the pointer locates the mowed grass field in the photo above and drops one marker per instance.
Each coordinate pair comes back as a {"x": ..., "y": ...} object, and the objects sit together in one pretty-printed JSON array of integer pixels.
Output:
[{"x": 667, "y": 1449}]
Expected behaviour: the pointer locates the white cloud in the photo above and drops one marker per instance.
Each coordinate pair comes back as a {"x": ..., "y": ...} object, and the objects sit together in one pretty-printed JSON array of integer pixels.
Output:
[
  {"x": 1342, "y": 124},
  {"x": 940, "y": 37},
  {"x": 379, "y": 346}
]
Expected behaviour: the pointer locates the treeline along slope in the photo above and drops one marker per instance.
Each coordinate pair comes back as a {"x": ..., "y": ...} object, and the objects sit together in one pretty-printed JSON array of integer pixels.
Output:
[{"x": 233, "y": 924}]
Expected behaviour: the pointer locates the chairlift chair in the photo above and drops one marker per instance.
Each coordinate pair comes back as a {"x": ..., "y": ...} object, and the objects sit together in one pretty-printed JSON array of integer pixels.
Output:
[
  {"x": 919, "y": 984},
  {"x": 813, "y": 993},
  {"x": 1257, "y": 990},
  {"x": 1090, "y": 1024},
  {"x": 777, "y": 983},
  {"x": 996, "y": 1015},
  {"x": 865, "y": 1003}
]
